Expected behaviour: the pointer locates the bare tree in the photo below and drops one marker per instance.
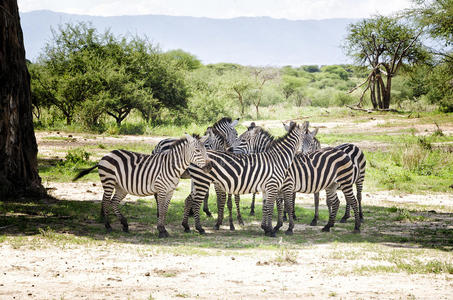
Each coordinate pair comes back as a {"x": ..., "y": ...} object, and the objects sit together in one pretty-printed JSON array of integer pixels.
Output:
[{"x": 18, "y": 148}]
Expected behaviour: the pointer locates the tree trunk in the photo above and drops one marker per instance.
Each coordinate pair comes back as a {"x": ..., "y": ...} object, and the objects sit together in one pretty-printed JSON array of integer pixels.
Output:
[
  {"x": 373, "y": 92},
  {"x": 387, "y": 93},
  {"x": 18, "y": 148}
]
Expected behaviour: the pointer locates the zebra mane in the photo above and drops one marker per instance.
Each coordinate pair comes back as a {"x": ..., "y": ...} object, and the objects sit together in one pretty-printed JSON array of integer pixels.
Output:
[
  {"x": 181, "y": 141},
  {"x": 276, "y": 141},
  {"x": 222, "y": 121}
]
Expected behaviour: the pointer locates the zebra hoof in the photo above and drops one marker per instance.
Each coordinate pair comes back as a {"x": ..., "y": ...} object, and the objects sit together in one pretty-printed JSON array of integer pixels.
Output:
[
  {"x": 232, "y": 227},
  {"x": 163, "y": 234},
  {"x": 285, "y": 219},
  {"x": 276, "y": 228},
  {"x": 186, "y": 230},
  {"x": 325, "y": 229},
  {"x": 208, "y": 213},
  {"x": 289, "y": 232},
  {"x": 126, "y": 229},
  {"x": 216, "y": 227},
  {"x": 314, "y": 222},
  {"x": 295, "y": 218},
  {"x": 356, "y": 231},
  {"x": 252, "y": 213},
  {"x": 343, "y": 220},
  {"x": 241, "y": 222},
  {"x": 201, "y": 231}
]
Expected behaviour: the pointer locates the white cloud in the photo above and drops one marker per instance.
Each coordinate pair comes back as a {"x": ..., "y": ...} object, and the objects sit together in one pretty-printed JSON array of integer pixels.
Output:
[{"x": 288, "y": 9}]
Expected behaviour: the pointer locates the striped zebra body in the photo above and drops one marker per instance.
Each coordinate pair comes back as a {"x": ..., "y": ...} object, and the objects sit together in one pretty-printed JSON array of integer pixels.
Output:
[
  {"x": 243, "y": 174},
  {"x": 326, "y": 169},
  {"x": 123, "y": 172},
  {"x": 219, "y": 137},
  {"x": 252, "y": 141}
]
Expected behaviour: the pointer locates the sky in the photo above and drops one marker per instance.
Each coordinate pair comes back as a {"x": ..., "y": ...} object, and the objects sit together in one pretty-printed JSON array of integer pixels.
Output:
[{"x": 286, "y": 9}]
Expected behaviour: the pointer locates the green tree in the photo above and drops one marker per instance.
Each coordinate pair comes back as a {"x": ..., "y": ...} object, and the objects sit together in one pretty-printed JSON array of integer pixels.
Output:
[
  {"x": 184, "y": 60},
  {"x": 436, "y": 18},
  {"x": 383, "y": 44}
]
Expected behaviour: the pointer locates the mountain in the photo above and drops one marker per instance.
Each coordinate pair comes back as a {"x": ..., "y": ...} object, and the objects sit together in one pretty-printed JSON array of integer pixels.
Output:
[{"x": 246, "y": 40}]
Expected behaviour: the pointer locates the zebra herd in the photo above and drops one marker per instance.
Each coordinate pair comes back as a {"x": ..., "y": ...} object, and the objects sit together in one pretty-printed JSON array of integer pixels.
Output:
[{"x": 251, "y": 163}]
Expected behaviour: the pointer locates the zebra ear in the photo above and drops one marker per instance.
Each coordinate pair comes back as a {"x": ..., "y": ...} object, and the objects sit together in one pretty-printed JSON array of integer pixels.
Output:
[
  {"x": 314, "y": 132},
  {"x": 203, "y": 139},
  {"x": 189, "y": 138},
  {"x": 234, "y": 123},
  {"x": 286, "y": 126}
]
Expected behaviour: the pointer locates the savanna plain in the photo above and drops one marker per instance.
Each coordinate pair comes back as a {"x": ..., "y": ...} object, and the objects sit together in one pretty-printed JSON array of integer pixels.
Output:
[{"x": 57, "y": 248}]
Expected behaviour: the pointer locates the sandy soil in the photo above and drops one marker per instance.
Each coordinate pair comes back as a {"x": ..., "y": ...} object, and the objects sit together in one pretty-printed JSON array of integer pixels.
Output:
[{"x": 136, "y": 272}]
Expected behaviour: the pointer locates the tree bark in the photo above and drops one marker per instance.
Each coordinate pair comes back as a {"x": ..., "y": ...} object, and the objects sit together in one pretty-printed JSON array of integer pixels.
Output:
[{"x": 18, "y": 148}]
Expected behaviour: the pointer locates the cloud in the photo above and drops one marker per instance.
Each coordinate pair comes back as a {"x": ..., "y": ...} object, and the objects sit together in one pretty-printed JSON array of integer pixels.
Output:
[{"x": 288, "y": 9}]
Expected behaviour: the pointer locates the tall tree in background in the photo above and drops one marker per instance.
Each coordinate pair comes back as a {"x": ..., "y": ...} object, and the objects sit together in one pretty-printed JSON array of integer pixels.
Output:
[
  {"x": 436, "y": 79},
  {"x": 383, "y": 44},
  {"x": 18, "y": 148}
]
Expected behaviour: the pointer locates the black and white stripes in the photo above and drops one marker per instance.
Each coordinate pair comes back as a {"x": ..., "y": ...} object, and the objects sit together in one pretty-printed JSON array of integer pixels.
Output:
[{"x": 123, "y": 172}]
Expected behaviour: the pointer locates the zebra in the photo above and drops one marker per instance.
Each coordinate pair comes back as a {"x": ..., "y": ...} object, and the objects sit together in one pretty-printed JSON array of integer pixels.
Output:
[
  {"x": 243, "y": 174},
  {"x": 311, "y": 144},
  {"x": 222, "y": 134},
  {"x": 139, "y": 174},
  {"x": 257, "y": 137},
  {"x": 327, "y": 168}
]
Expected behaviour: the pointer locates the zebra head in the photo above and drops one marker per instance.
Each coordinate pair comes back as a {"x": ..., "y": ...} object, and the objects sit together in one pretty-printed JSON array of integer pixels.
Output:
[
  {"x": 227, "y": 127},
  {"x": 254, "y": 140},
  {"x": 309, "y": 142},
  {"x": 301, "y": 131},
  {"x": 198, "y": 155},
  {"x": 215, "y": 140}
]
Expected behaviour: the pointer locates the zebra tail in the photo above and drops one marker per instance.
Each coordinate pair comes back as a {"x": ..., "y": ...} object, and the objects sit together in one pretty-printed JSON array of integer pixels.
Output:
[{"x": 84, "y": 172}]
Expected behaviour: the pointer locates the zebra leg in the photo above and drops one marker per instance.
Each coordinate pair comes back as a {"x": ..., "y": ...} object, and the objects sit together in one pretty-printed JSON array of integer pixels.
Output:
[
  {"x": 157, "y": 205},
  {"x": 221, "y": 195},
  {"x": 237, "y": 200},
  {"x": 350, "y": 199},
  {"x": 280, "y": 208},
  {"x": 230, "y": 211},
  {"x": 288, "y": 197},
  {"x": 271, "y": 195},
  {"x": 359, "y": 186},
  {"x": 293, "y": 210},
  {"x": 164, "y": 201},
  {"x": 206, "y": 206},
  {"x": 116, "y": 199},
  {"x": 196, "y": 203},
  {"x": 347, "y": 213},
  {"x": 187, "y": 210},
  {"x": 333, "y": 203},
  {"x": 105, "y": 205},
  {"x": 252, "y": 206},
  {"x": 314, "y": 222}
]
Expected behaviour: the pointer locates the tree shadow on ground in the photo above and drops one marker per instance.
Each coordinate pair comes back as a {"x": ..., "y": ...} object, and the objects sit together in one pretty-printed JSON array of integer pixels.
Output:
[{"x": 391, "y": 226}]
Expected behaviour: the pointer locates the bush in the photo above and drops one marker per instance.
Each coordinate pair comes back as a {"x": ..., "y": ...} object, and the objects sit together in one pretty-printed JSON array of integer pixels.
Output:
[
  {"x": 76, "y": 156},
  {"x": 130, "y": 128}
]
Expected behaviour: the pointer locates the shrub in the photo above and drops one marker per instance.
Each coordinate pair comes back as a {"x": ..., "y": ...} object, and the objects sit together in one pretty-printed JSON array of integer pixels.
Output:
[{"x": 130, "y": 128}]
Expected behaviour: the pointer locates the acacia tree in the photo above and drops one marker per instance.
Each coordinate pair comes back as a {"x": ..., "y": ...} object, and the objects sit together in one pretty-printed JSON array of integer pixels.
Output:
[
  {"x": 383, "y": 44},
  {"x": 261, "y": 75},
  {"x": 238, "y": 83},
  {"x": 18, "y": 149}
]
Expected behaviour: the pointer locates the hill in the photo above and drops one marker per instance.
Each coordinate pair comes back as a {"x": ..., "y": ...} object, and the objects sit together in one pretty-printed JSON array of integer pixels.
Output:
[{"x": 244, "y": 40}]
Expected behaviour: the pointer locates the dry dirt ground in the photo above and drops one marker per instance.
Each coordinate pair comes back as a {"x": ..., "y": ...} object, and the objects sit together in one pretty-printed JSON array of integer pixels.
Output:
[{"x": 110, "y": 270}]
